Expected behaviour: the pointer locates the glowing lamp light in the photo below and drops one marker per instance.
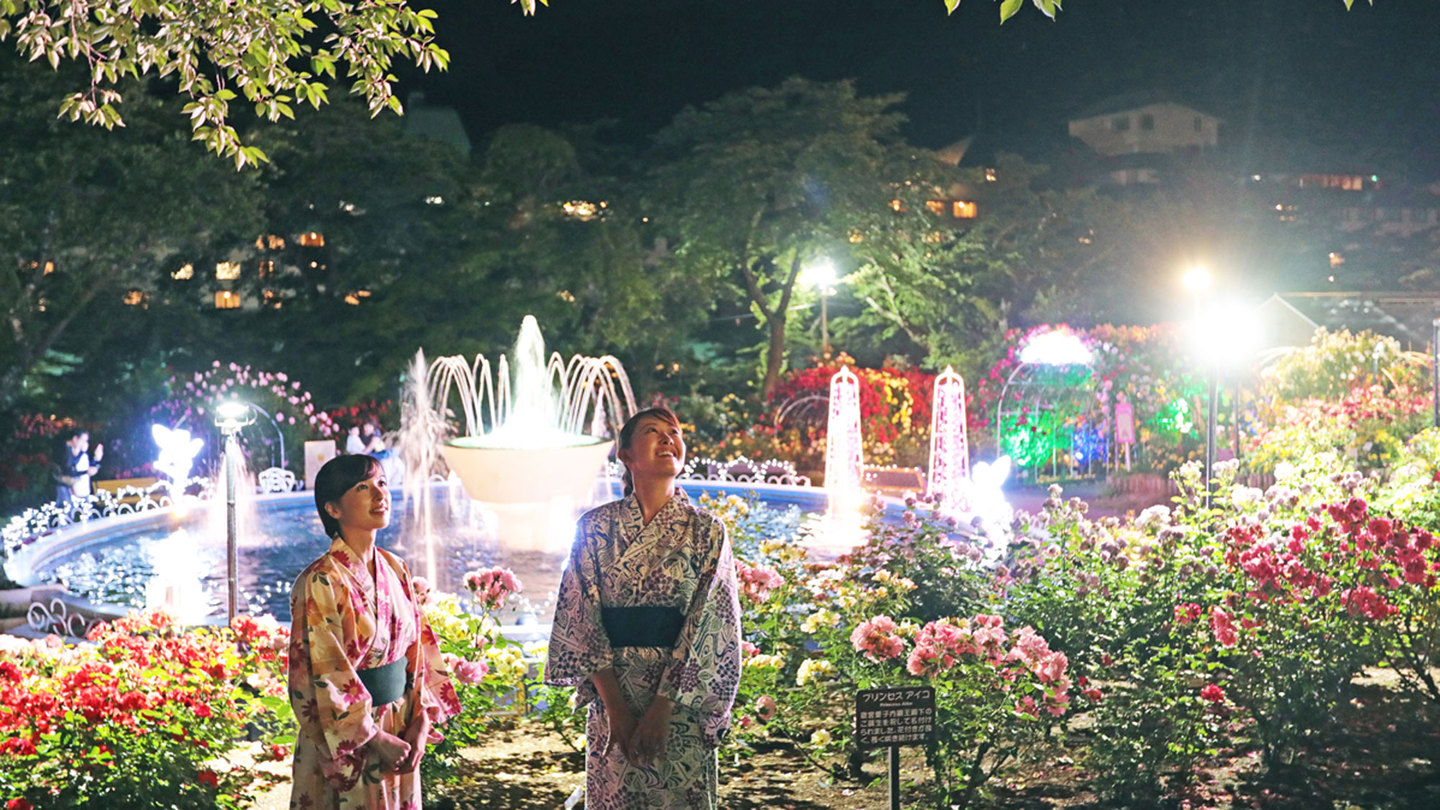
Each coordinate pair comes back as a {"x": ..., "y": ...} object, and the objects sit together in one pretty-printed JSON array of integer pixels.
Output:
[
  {"x": 233, "y": 414},
  {"x": 1196, "y": 279},
  {"x": 987, "y": 498},
  {"x": 1225, "y": 334},
  {"x": 820, "y": 274},
  {"x": 1056, "y": 349}
]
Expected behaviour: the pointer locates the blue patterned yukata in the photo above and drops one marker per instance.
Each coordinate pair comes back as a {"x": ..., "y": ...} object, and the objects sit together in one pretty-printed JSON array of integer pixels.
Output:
[{"x": 678, "y": 564}]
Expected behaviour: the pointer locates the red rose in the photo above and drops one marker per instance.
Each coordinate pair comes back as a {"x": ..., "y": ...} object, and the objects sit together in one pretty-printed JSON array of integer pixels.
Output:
[
  {"x": 18, "y": 804},
  {"x": 209, "y": 778}
]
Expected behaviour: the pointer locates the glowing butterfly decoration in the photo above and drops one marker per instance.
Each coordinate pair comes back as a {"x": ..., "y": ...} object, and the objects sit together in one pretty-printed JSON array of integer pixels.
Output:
[
  {"x": 949, "y": 443},
  {"x": 987, "y": 496},
  {"x": 177, "y": 452},
  {"x": 843, "y": 455}
]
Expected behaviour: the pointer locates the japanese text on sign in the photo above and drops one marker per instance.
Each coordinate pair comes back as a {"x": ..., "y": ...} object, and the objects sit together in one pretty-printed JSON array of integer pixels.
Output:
[{"x": 903, "y": 715}]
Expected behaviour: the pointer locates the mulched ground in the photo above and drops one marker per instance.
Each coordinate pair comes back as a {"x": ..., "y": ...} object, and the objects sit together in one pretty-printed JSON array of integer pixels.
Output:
[{"x": 1384, "y": 758}]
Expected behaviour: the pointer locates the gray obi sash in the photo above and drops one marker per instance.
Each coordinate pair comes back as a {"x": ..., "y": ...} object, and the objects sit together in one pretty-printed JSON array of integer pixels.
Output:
[
  {"x": 642, "y": 626},
  {"x": 386, "y": 684}
]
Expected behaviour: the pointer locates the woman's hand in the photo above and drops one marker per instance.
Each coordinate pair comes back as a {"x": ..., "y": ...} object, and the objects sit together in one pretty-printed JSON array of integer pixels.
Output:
[
  {"x": 389, "y": 749},
  {"x": 622, "y": 729},
  {"x": 417, "y": 734},
  {"x": 648, "y": 740}
]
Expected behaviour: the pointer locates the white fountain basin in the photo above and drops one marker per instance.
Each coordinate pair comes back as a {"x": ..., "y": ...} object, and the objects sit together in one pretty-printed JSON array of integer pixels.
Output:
[{"x": 528, "y": 475}]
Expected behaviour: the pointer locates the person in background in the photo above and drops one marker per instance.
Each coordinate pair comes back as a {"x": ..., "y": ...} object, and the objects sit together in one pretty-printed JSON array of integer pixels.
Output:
[
  {"x": 647, "y": 626},
  {"x": 72, "y": 480},
  {"x": 367, "y": 681}
]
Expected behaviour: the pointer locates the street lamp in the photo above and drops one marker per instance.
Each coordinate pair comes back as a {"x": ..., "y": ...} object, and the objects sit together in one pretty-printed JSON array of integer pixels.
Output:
[
  {"x": 1223, "y": 335},
  {"x": 1196, "y": 279},
  {"x": 821, "y": 274},
  {"x": 230, "y": 417}
]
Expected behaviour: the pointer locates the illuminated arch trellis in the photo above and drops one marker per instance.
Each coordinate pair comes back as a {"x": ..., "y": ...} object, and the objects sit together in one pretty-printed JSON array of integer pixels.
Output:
[{"x": 1048, "y": 418}]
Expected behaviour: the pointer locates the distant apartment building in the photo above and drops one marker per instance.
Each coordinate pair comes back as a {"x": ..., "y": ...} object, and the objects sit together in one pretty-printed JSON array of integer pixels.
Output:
[{"x": 1139, "y": 136}]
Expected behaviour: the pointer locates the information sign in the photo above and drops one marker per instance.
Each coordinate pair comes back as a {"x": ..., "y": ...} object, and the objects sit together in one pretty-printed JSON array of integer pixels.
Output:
[
  {"x": 1124, "y": 422},
  {"x": 901, "y": 715}
]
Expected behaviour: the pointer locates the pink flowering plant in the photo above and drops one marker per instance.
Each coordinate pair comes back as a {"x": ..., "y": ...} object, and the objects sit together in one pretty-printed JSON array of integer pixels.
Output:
[
  {"x": 489, "y": 671},
  {"x": 191, "y": 397},
  {"x": 816, "y": 632},
  {"x": 145, "y": 715}
]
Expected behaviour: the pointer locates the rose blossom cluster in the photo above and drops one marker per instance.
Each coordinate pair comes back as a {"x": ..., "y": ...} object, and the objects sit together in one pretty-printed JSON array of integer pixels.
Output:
[
  {"x": 465, "y": 671},
  {"x": 756, "y": 582},
  {"x": 878, "y": 638},
  {"x": 492, "y": 586}
]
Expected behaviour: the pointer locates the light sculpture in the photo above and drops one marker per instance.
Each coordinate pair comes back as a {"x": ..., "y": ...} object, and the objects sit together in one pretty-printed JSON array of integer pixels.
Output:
[
  {"x": 949, "y": 443},
  {"x": 844, "y": 457}
]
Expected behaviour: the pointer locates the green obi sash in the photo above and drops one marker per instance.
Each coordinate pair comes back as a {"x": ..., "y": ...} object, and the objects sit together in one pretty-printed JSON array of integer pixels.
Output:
[{"x": 386, "y": 684}]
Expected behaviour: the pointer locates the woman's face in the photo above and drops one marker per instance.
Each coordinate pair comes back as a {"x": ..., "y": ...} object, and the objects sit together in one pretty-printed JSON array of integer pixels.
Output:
[
  {"x": 657, "y": 448},
  {"x": 364, "y": 506}
]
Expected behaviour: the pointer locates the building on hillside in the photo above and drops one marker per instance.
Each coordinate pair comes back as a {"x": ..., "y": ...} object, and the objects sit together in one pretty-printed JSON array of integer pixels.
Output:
[{"x": 1144, "y": 124}]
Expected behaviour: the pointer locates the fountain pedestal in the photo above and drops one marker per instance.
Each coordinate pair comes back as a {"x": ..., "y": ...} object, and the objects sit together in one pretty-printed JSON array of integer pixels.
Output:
[{"x": 533, "y": 492}]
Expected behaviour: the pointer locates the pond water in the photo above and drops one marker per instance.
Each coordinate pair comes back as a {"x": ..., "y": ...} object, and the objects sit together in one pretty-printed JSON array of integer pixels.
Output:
[{"x": 184, "y": 558}]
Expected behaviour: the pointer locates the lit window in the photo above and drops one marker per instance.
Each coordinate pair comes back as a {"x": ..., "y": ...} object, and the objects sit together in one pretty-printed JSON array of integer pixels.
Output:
[
  {"x": 934, "y": 236},
  {"x": 49, "y": 268},
  {"x": 963, "y": 209},
  {"x": 991, "y": 175},
  {"x": 566, "y": 296},
  {"x": 275, "y": 242},
  {"x": 134, "y": 298},
  {"x": 227, "y": 299},
  {"x": 272, "y": 299},
  {"x": 185, "y": 272},
  {"x": 1336, "y": 259},
  {"x": 266, "y": 268},
  {"x": 312, "y": 239},
  {"x": 435, "y": 200},
  {"x": 1147, "y": 122},
  {"x": 227, "y": 271},
  {"x": 353, "y": 300},
  {"x": 896, "y": 205},
  {"x": 856, "y": 237},
  {"x": 935, "y": 206},
  {"x": 580, "y": 209}
]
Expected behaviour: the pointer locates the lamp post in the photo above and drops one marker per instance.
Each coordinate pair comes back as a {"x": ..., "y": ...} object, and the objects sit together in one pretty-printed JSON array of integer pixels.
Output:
[
  {"x": 1223, "y": 335},
  {"x": 230, "y": 417},
  {"x": 821, "y": 274},
  {"x": 1435, "y": 368}
]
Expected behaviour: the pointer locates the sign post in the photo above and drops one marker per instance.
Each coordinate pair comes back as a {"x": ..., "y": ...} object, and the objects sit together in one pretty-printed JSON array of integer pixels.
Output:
[{"x": 891, "y": 717}]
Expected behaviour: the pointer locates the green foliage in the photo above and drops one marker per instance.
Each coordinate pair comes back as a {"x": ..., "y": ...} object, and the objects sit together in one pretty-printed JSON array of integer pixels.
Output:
[
  {"x": 276, "y": 54},
  {"x": 1336, "y": 362}
]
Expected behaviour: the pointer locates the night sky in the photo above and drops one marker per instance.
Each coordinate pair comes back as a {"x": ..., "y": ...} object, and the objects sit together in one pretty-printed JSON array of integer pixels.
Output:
[{"x": 1354, "y": 90}]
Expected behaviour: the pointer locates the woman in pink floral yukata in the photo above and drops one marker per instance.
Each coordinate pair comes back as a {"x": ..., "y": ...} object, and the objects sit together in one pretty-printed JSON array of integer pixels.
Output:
[
  {"x": 366, "y": 678},
  {"x": 647, "y": 626}
]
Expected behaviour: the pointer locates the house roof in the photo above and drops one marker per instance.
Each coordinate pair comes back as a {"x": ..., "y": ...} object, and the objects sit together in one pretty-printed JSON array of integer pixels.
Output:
[
  {"x": 1130, "y": 101},
  {"x": 1406, "y": 316}
]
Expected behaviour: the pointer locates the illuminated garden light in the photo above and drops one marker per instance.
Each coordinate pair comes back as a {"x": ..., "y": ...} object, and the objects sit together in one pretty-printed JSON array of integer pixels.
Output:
[
  {"x": 1056, "y": 349},
  {"x": 843, "y": 455},
  {"x": 949, "y": 443}
]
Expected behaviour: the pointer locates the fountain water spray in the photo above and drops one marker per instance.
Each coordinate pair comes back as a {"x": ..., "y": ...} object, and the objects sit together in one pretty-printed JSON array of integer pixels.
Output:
[
  {"x": 521, "y": 439},
  {"x": 949, "y": 444}
]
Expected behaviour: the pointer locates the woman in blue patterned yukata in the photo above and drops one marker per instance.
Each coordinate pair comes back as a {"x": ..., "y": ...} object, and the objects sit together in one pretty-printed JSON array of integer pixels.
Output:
[{"x": 647, "y": 626}]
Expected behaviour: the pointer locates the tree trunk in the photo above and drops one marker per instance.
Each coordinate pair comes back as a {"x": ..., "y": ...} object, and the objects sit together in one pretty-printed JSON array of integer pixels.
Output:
[{"x": 774, "y": 353}]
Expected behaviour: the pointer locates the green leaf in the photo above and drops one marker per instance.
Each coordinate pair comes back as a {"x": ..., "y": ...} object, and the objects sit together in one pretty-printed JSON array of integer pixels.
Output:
[
  {"x": 1008, "y": 9},
  {"x": 951, "y": 5}
]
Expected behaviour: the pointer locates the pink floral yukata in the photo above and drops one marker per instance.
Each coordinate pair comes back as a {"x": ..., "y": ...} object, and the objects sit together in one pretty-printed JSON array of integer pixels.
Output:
[
  {"x": 680, "y": 560},
  {"x": 344, "y": 620}
]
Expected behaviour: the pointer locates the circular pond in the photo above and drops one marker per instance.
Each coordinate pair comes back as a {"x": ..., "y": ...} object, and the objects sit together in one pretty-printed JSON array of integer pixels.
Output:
[{"x": 179, "y": 560}]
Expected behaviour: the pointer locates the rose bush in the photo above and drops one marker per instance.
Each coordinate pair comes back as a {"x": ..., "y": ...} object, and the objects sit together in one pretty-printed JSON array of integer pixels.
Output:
[{"x": 145, "y": 716}]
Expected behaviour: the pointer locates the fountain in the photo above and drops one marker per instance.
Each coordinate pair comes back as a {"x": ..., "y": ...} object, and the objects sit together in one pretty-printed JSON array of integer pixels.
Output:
[
  {"x": 949, "y": 444},
  {"x": 523, "y": 449}
]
